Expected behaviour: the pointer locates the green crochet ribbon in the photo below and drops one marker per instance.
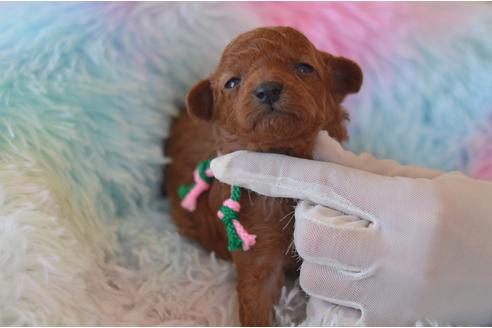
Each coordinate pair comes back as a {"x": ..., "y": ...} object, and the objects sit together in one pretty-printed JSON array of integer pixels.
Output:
[
  {"x": 202, "y": 168},
  {"x": 234, "y": 241}
]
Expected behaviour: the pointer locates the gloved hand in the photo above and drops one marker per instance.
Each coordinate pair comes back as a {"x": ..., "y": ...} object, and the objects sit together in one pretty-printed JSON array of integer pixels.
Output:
[{"x": 399, "y": 249}]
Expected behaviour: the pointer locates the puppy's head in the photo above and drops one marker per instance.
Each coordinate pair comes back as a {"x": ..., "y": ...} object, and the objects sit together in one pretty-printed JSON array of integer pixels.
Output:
[{"x": 273, "y": 88}]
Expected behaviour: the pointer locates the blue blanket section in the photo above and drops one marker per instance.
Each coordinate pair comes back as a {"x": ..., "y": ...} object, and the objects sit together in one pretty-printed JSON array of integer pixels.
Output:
[
  {"x": 428, "y": 99},
  {"x": 90, "y": 88}
]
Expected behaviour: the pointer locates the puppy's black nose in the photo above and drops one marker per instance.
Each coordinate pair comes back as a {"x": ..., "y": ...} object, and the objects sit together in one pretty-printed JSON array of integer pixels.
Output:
[{"x": 268, "y": 92}]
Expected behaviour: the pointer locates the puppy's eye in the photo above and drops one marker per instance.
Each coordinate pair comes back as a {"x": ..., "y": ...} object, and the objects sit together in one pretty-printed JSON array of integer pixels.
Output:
[
  {"x": 304, "y": 68},
  {"x": 232, "y": 83}
]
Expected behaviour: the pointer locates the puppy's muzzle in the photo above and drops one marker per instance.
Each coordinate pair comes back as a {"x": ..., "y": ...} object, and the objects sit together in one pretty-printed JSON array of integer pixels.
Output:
[{"x": 268, "y": 92}]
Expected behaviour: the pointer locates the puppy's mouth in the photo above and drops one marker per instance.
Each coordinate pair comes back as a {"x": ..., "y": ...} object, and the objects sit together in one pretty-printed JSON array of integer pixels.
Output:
[
  {"x": 286, "y": 128},
  {"x": 278, "y": 110},
  {"x": 277, "y": 122}
]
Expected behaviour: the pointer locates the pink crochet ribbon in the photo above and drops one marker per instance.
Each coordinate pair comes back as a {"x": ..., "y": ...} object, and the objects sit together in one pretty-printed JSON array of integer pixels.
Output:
[
  {"x": 238, "y": 237},
  {"x": 191, "y": 198},
  {"x": 248, "y": 239}
]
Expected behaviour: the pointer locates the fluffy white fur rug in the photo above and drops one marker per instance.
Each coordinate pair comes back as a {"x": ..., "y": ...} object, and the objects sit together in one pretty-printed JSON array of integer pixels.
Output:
[{"x": 86, "y": 95}]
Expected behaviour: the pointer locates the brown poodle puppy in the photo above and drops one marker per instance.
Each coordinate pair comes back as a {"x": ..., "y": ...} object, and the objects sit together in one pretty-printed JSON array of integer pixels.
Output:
[{"x": 273, "y": 91}]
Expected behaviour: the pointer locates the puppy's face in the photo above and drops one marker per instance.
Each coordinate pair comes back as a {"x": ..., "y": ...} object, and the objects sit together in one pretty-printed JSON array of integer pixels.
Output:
[{"x": 273, "y": 87}]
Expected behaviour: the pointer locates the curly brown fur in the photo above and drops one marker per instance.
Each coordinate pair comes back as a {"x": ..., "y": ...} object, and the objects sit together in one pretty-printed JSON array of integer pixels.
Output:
[{"x": 220, "y": 120}]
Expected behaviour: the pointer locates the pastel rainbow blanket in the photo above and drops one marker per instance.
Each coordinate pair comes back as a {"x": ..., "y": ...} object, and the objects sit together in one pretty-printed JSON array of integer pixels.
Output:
[{"x": 87, "y": 93}]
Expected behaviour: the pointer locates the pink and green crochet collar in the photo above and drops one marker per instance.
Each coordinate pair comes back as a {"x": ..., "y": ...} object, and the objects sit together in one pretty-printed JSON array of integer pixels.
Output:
[{"x": 238, "y": 237}]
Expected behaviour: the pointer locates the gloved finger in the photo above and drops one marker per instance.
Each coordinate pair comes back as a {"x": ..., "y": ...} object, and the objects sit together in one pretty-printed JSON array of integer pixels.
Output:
[
  {"x": 328, "y": 149},
  {"x": 350, "y": 191},
  {"x": 331, "y": 284},
  {"x": 326, "y": 236}
]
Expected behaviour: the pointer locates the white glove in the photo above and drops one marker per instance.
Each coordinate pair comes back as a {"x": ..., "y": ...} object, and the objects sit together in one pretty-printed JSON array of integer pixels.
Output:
[{"x": 399, "y": 249}]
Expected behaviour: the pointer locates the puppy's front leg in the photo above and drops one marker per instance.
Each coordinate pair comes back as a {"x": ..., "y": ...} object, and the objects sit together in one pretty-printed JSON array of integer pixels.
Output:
[{"x": 260, "y": 279}]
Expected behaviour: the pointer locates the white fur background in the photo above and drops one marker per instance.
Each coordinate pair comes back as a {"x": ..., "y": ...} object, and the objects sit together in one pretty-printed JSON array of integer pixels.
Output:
[{"x": 86, "y": 95}]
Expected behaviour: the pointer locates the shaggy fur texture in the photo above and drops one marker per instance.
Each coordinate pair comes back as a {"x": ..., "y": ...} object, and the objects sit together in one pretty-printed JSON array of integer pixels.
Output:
[
  {"x": 285, "y": 92},
  {"x": 86, "y": 91},
  {"x": 427, "y": 70}
]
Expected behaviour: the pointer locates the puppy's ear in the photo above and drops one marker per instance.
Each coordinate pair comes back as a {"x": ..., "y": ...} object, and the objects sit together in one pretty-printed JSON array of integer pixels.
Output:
[
  {"x": 200, "y": 100},
  {"x": 346, "y": 75}
]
